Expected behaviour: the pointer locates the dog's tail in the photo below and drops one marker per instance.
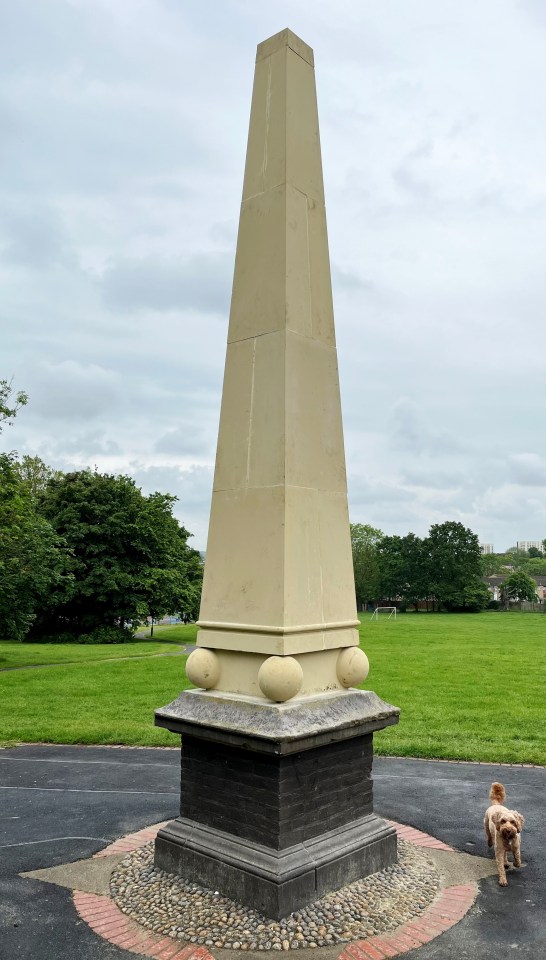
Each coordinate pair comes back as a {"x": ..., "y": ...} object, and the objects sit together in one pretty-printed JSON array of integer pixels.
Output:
[{"x": 497, "y": 794}]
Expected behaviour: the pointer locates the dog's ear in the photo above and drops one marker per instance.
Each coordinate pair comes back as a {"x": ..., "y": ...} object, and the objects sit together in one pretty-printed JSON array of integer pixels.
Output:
[
  {"x": 495, "y": 817},
  {"x": 519, "y": 820}
]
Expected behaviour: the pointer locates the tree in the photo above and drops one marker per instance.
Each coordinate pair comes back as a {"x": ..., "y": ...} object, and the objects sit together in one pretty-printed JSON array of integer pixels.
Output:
[
  {"x": 130, "y": 555},
  {"x": 536, "y": 568},
  {"x": 365, "y": 542},
  {"x": 35, "y": 474},
  {"x": 534, "y": 552},
  {"x": 33, "y": 559},
  {"x": 394, "y": 574},
  {"x": 492, "y": 563},
  {"x": 514, "y": 557},
  {"x": 518, "y": 586},
  {"x": 10, "y": 402},
  {"x": 403, "y": 569},
  {"x": 454, "y": 561},
  {"x": 172, "y": 587}
]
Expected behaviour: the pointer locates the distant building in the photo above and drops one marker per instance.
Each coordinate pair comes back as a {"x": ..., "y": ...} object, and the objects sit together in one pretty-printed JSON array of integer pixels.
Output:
[
  {"x": 494, "y": 585},
  {"x": 527, "y": 544},
  {"x": 486, "y": 548}
]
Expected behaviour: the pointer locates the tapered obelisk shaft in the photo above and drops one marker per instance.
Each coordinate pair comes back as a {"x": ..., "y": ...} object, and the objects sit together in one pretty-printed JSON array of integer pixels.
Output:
[
  {"x": 278, "y": 572},
  {"x": 276, "y": 804}
]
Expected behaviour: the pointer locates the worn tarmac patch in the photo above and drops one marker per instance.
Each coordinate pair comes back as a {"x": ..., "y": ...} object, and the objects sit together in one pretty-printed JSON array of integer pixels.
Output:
[
  {"x": 89, "y": 876},
  {"x": 461, "y": 867}
]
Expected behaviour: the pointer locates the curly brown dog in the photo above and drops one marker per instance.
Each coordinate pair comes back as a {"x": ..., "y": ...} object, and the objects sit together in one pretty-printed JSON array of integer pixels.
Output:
[{"x": 503, "y": 828}]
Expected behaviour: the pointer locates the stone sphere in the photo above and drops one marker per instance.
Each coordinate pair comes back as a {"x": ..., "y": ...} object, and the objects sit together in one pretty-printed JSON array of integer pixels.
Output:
[
  {"x": 352, "y": 666},
  {"x": 203, "y": 668},
  {"x": 280, "y": 678}
]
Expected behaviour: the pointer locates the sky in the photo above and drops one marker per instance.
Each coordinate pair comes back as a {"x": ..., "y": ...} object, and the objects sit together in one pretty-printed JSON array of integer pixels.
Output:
[{"x": 123, "y": 127}]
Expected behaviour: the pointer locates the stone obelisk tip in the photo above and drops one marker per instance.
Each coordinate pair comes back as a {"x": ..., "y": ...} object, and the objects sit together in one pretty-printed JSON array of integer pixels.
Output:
[{"x": 285, "y": 39}]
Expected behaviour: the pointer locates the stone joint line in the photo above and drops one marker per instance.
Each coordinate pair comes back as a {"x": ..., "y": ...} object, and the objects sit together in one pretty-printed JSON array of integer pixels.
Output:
[{"x": 107, "y": 920}]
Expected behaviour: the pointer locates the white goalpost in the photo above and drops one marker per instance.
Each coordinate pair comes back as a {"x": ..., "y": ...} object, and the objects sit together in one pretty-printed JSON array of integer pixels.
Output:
[{"x": 387, "y": 611}]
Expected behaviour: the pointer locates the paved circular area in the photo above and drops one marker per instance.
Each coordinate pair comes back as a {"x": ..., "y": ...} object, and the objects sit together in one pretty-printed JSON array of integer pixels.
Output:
[{"x": 440, "y": 910}]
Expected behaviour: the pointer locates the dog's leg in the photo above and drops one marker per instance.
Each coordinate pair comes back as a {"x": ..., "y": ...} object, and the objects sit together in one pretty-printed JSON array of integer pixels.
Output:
[
  {"x": 517, "y": 852},
  {"x": 499, "y": 857},
  {"x": 488, "y": 833}
]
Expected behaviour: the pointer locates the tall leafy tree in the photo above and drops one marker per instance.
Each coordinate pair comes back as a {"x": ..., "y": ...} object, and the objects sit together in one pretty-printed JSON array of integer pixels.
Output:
[
  {"x": 130, "y": 556},
  {"x": 404, "y": 569},
  {"x": 171, "y": 579},
  {"x": 393, "y": 568},
  {"x": 416, "y": 562},
  {"x": 455, "y": 569},
  {"x": 365, "y": 542},
  {"x": 33, "y": 558}
]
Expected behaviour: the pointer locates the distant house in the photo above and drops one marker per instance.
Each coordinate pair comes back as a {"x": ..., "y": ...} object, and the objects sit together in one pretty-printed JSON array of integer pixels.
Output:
[
  {"x": 486, "y": 548},
  {"x": 494, "y": 586}
]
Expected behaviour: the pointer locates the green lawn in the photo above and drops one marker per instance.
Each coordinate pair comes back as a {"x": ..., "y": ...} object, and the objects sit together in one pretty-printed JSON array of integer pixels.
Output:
[
  {"x": 183, "y": 633},
  {"x": 32, "y": 654},
  {"x": 469, "y": 687},
  {"x": 103, "y": 702}
]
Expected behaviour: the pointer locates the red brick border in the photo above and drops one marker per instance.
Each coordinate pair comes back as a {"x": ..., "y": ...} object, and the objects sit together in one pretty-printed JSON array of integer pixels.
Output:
[
  {"x": 132, "y": 841},
  {"x": 107, "y": 920}
]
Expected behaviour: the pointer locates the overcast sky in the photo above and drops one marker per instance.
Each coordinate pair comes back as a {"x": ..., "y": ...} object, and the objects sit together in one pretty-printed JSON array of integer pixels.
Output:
[{"x": 123, "y": 128}]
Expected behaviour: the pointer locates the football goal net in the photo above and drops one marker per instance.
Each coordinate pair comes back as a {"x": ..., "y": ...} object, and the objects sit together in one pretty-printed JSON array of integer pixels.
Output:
[{"x": 384, "y": 612}]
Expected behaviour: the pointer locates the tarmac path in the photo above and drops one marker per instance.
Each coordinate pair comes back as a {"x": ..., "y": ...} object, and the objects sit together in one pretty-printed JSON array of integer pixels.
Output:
[{"x": 62, "y": 803}]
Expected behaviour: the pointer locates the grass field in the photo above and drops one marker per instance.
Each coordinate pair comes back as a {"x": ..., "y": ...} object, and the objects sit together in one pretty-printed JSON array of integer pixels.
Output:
[
  {"x": 470, "y": 687},
  {"x": 36, "y": 654}
]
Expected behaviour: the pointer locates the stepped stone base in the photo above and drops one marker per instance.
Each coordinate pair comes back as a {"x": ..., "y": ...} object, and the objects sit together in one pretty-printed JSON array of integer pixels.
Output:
[{"x": 276, "y": 820}]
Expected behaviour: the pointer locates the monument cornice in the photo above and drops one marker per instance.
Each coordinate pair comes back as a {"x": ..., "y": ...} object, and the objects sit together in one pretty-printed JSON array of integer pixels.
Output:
[{"x": 277, "y": 631}]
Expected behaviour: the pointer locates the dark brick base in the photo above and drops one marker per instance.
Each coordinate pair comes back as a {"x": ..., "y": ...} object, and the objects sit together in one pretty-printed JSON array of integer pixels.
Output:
[
  {"x": 276, "y": 831},
  {"x": 276, "y": 801}
]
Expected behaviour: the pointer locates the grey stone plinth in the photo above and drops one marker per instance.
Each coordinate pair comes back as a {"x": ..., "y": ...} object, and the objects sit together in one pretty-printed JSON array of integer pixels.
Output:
[
  {"x": 276, "y": 799},
  {"x": 280, "y": 728},
  {"x": 275, "y": 882}
]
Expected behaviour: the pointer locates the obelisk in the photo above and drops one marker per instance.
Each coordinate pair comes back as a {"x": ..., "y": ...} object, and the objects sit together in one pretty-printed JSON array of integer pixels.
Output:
[{"x": 276, "y": 795}]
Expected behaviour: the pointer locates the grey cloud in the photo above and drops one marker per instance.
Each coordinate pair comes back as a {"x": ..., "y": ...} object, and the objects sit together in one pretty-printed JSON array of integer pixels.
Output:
[
  {"x": 535, "y": 9},
  {"x": 528, "y": 469},
  {"x": 347, "y": 281},
  {"x": 186, "y": 440},
  {"x": 511, "y": 504},
  {"x": 411, "y": 433},
  {"x": 201, "y": 283},
  {"x": 72, "y": 390},
  {"x": 433, "y": 478},
  {"x": 366, "y": 490},
  {"x": 33, "y": 237},
  {"x": 85, "y": 445},
  {"x": 411, "y": 182}
]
